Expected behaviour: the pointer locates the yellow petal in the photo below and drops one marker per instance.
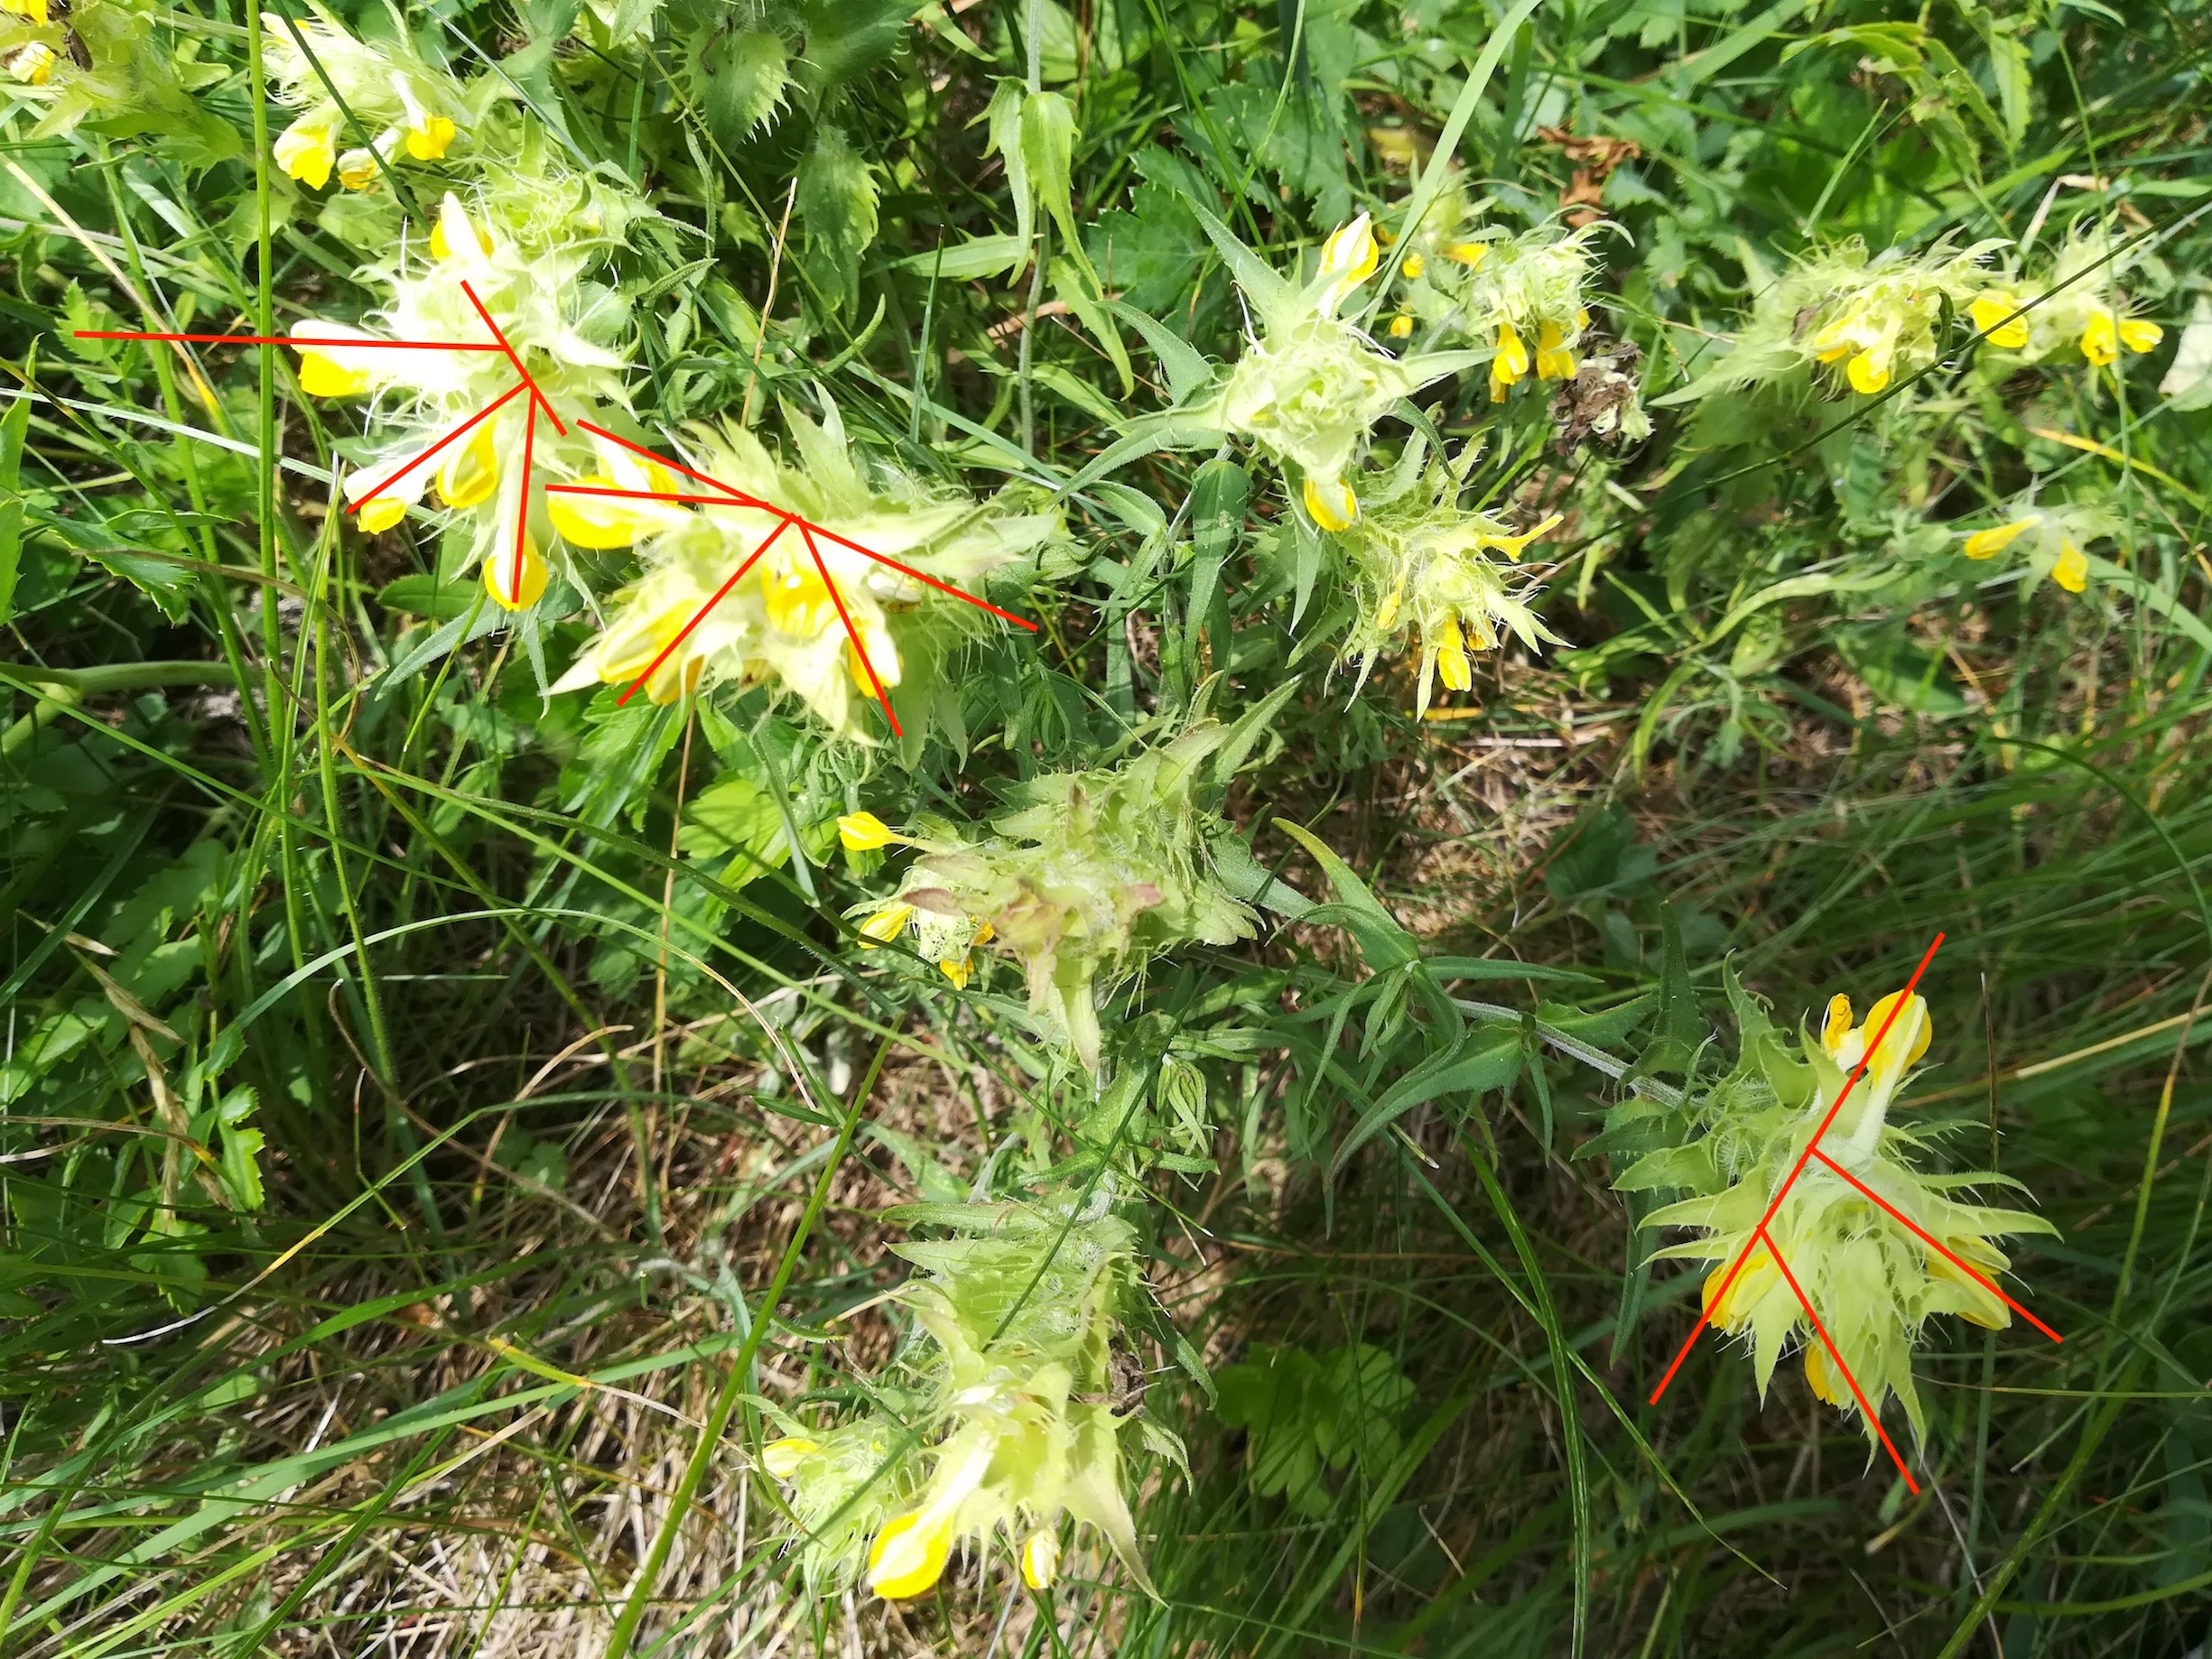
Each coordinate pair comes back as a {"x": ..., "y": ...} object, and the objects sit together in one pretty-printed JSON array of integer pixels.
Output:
[
  {"x": 864, "y": 832},
  {"x": 1452, "y": 658},
  {"x": 35, "y": 10},
  {"x": 594, "y": 521},
  {"x": 1868, "y": 373},
  {"x": 306, "y": 150},
  {"x": 324, "y": 376},
  {"x": 1910, "y": 1033},
  {"x": 378, "y": 514},
  {"x": 959, "y": 972},
  {"x": 430, "y": 140},
  {"x": 1413, "y": 266},
  {"x": 1331, "y": 502},
  {"x": 2137, "y": 335},
  {"x": 2100, "y": 339},
  {"x": 1387, "y": 612},
  {"x": 1040, "y": 1558},
  {"x": 1993, "y": 316},
  {"x": 2072, "y": 570},
  {"x": 1401, "y": 326},
  {"x": 500, "y": 581},
  {"x": 1350, "y": 254},
  {"x": 1822, "y": 1376},
  {"x": 1989, "y": 544},
  {"x": 1553, "y": 360},
  {"x": 1468, "y": 253},
  {"x": 356, "y": 169},
  {"x": 984, "y": 934},
  {"x": 1750, "y": 1284},
  {"x": 472, "y": 476},
  {"x": 1512, "y": 359},
  {"x": 1511, "y": 545},
  {"x": 909, "y": 1554},
  {"x": 887, "y": 923},
  {"x": 781, "y": 1457},
  {"x": 1838, "y": 1025}
]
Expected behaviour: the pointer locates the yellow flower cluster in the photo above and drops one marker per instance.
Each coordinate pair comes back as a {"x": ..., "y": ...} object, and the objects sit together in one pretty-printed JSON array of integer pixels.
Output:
[{"x": 412, "y": 108}]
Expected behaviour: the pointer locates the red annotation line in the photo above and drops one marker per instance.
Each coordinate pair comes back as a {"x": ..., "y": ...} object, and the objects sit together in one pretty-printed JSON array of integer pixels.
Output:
[
  {"x": 806, "y": 531},
  {"x": 700, "y": 616},
  {"x": 522, "y": 515},
  {"x": 286, "y": 340},
  {"x": 736, "y": 497},
  {"x": 1735, "y": 1268},
  {"x": 1933, "y": 1243},
  {"x": 484, "y": 413},
  {"x": 1866, "y": 1408},
  {"x": 537, "y": 394}
]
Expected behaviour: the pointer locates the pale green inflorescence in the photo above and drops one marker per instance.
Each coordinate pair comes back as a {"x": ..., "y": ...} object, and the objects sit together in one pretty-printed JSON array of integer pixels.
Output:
[
  {"x": 1874, "y": 1283},
  {"x": 1006, "y": 1426},
  {"x": 781, "y": 624},
  {"x": 1426, "y": 571},
  {"x": 1094, "y": 873}
]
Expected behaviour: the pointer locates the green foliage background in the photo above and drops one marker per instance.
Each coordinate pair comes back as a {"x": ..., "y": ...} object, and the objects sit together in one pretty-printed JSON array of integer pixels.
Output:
[{"x": 389, "y": 1046}]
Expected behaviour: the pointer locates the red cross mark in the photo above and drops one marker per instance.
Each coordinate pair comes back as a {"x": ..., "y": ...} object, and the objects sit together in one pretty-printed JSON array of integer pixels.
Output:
[
  {"x": 1760, "y": 1236},
  {"x": 724, "y": 495}
]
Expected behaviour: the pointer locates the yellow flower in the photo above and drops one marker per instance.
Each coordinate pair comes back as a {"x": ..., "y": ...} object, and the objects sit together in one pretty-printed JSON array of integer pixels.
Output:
[
  {"x": 1989, "y": 544},
  {"x": 1869, "y": 371},
  {"x": 1040, "y": 1558},
  {"x": 1993, "y": 317},
  {"x": 428, "y": 135},
  {"x": 1349, "y": 253},
  {"x": 2138, "y": 336},
  {"x": 307, "y": 148},
  {"x": 1510, "y": 546},
  {"x": 909, "y": 1554},
  {"x": 1468, "y": 253},
  {"x": 442, "y": 250},
  {"x": 500, "y": 581},
  {"x": 35, "y": 10},
  {"x": 1510, "y": 364},
  {"x": 1331, "y": 502},
  {"x": 887, "y": 923},
  {"x": 864, "y": 832},
  {"x": 2100, "y": 338},
  {"x": 32, "y": 63},
  {"x": 1401, "y": 325},
  {"x": 603, "y": 521},
  {"x": 1452, "y": 658},
  {"x": 356, "y": 169},
  {"x": 1413, "y": 266},
  {"x": 1822, "y": 1376},
  {"x": 332, "y": 371},
  {"x": 472, "y": 476},
  {"x": 379, "y": 514},
  {"x": 2072, "y": 570},
  {"x": 1554, "y": 361},
  {"x": 959, "y": 972},
  {"x": 1752, "y": 1281},
  {"x": 781, "y": 1456}
]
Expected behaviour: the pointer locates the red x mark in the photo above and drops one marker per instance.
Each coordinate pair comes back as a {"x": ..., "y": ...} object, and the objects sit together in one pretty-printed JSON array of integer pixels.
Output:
[
  {"x": 1760, "y": 1235},
  {"x": 724, "y": 495}
]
